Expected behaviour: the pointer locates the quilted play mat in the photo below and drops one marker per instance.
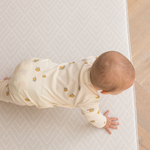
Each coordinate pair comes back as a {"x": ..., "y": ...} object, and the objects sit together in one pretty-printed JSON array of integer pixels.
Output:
[{"x": 64, "y": 31}]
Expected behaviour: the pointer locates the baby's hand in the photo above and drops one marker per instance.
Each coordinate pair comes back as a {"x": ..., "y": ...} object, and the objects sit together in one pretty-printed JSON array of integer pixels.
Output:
[{"x": 110, "y": 123}]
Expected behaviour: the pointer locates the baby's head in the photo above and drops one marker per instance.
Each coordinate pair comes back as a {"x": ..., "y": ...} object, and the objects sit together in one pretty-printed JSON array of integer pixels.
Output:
[{"x": 112, "y": 73}]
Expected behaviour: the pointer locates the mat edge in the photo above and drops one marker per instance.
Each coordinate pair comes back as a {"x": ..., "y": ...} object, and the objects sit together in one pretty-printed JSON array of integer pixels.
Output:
[{"x": 135, "y": 108}]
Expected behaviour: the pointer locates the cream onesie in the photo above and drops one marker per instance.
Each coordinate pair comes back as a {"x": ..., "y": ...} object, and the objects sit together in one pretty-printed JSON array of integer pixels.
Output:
[{"x": 46, "y": 84}]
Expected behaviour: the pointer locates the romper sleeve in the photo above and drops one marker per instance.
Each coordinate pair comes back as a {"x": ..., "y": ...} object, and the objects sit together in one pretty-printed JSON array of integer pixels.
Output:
[{"x": 92, "y": 113}]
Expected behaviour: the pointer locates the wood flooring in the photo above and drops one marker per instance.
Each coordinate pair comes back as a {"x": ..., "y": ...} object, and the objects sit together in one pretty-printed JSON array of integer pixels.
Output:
[{"x": 139, "y": 27}]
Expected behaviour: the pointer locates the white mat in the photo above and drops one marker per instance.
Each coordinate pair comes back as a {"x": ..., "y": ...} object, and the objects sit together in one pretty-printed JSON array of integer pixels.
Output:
[{"x": 64, "y": 31}]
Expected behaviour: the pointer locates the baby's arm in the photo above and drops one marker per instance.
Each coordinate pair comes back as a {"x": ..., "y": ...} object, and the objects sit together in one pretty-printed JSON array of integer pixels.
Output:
[{"x": 92, "y": 113}]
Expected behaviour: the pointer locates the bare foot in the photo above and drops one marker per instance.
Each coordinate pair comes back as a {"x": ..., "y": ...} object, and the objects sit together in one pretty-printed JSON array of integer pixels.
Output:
[{"x": 6, "y": 78}]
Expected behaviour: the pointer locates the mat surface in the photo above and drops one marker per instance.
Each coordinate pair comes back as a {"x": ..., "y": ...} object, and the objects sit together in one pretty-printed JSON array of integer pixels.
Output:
[{"x": 64, "y": 31}]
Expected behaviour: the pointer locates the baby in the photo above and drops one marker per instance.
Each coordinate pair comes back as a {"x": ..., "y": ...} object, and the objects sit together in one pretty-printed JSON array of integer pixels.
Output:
[
  {"x": 112, "y": 73},
  {"x": 44, "y": 84}
]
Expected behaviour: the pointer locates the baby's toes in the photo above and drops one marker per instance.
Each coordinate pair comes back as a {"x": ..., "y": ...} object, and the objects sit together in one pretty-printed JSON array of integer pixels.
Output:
[{"x": 5, "y": 78}]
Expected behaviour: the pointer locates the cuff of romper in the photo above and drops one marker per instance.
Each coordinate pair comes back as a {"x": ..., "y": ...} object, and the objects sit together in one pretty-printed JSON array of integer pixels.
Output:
[{"x": 104, "y": 121}]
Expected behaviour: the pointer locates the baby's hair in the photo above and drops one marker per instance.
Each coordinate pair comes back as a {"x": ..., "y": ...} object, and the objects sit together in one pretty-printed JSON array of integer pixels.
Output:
[{"x": 111, "y": 70}]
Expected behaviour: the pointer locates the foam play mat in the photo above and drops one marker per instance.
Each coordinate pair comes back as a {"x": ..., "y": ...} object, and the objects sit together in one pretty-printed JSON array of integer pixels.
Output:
[{"x": 64, "y": 31}]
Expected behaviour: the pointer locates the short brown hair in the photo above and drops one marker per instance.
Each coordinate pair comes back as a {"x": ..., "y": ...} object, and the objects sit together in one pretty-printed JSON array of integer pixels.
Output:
[{"x": 111, "y": 70}]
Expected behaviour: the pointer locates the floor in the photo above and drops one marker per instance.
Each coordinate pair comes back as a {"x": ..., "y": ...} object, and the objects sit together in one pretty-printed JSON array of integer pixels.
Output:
[{"x": 139, "y": 26}]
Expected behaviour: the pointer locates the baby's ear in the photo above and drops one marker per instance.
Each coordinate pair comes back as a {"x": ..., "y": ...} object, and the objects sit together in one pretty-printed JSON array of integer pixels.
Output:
[{"x": 104, "y": 92}]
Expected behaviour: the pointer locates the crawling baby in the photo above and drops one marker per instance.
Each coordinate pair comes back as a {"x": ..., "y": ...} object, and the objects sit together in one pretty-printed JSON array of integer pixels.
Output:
[{"x": 44, "y": 84}]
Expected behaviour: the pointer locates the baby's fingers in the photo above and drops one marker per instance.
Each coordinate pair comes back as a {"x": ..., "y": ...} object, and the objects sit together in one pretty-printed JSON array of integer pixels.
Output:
[
  {"x": 112, "y": 118},
  {"x": 115, "y": 123},
  {"x": 114, "y": 127},
  {"x": 108, "y": 130}
]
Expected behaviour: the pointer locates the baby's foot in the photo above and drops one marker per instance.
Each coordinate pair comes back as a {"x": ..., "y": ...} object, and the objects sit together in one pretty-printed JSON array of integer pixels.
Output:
[{"x": 6, "y": 78}]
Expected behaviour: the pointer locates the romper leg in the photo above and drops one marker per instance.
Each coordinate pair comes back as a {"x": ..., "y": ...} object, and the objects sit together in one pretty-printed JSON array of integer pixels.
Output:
[{"x": 4, "y": 92}]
